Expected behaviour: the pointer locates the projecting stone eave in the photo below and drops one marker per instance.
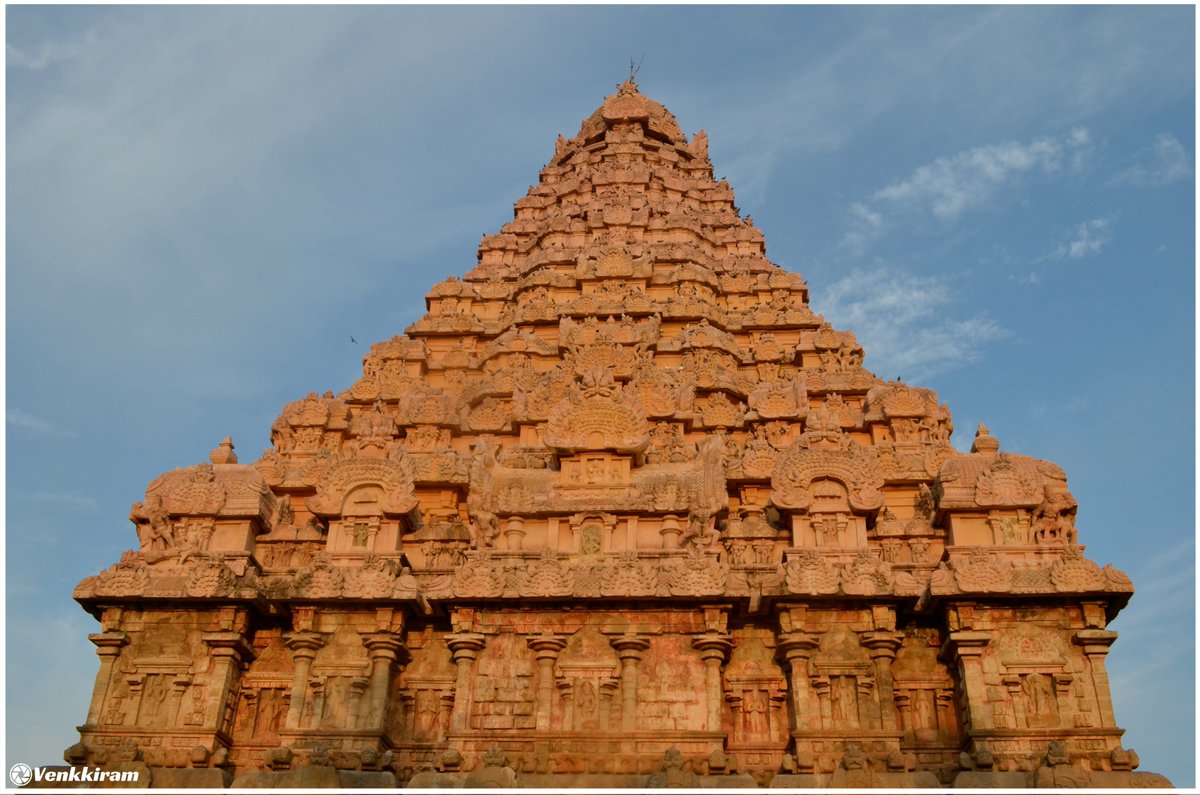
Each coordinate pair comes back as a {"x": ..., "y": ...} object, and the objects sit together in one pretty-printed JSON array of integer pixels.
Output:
[{"x": 1109, "y": 599}]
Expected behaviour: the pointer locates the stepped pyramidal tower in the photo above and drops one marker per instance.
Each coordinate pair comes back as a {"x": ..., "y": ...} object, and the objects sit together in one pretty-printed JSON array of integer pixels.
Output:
[{"x": 618, "y": 510}]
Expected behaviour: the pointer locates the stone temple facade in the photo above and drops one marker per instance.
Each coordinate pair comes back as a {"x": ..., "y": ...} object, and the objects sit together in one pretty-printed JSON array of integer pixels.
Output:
[{"x": 619, "y": 510}]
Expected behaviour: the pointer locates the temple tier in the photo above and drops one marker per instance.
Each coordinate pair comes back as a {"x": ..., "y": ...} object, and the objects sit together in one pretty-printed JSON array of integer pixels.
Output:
[{"x": 618, "y": 510}]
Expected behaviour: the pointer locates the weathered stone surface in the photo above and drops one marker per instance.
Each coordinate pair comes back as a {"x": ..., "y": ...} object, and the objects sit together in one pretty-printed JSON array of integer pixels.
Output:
[
  {"x": 618, "y": 510},
  {"x": 172, "y": 778}
]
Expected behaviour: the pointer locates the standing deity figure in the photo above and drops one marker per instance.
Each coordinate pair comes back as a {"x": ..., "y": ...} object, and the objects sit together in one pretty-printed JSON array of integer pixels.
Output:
[{"x": 156, "y": 535}]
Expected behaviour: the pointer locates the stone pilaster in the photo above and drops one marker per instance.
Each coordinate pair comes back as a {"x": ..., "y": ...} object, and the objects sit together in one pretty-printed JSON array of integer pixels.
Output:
[
  {"x": 446, "y": 710},
  {"x": 607, "y": 691},
  {"x": 108, "y": 648},
  {"x": 384, "y": 649},
  {"x": 545, "y": 651},
  {"x": 229, "y": 650},
  {"x": 943, "y": 704},
  {"x": 796, "y": 648},
  {"x": 882, "y": 647},
  {"x": 713, "y": 650},
  {"x": 1095, "y": 643},
  {"x": 567, "y": 688},
  {"x": 1013, "y": 683},
  {"x": 465, "y": 646},
  {"x": 358, "y": 686},
  {"x": 965, "y": 649},
  {"x": 630, "y": 649},
  {"x": 903, "y": 701},
  {"x": 137, "y": 684},
  {"x": 304, "y": 647},
  {"x": 179, "y": 686},
  {"x": 319, "y": 691},
  {"x": 250, "y": 699}
]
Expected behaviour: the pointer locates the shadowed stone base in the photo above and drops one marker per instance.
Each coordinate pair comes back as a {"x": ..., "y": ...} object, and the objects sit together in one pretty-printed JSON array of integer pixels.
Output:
[
  {"x": 310, "y": 777},
  {"x": 184, "y": 778},
  {"x": 490, "y": 778}
]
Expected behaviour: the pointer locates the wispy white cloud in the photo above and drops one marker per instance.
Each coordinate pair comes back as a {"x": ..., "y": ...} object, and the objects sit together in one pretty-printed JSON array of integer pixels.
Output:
[
  {"x": 1072, "y": 405},
  {"x": 900, "y": 320},
  {"x": 1003, "y": 66},
  {"x": 1077, "y": 404},
  {"x": 1084, "y": 240},
  {"x": 48, "y": 53},
  {"x": 66, "y": 499},
  {"x": 950, "y": 186},
  {"x": 865, "y": 225},
  {"x": 26, "y": 421},
  {"x": 1162, "y": 163}
]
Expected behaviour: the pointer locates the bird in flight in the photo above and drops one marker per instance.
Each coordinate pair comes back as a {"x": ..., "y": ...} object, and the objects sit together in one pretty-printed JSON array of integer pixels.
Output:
[{"x": 353, "y": 340}]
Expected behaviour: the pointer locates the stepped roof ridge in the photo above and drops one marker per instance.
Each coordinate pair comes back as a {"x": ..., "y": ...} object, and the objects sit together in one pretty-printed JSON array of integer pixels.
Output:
[
  {"x": 629, "y": 179},
  {"x": 629, "y": 104}
]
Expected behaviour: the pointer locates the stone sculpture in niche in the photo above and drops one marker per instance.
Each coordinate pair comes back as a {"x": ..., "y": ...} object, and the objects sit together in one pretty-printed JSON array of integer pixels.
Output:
[{"x": 619, "y": 510}]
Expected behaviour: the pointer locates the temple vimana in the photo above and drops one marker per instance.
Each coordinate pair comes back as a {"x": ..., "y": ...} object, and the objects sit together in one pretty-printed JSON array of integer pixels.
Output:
[{"x": 620, "y": 510}]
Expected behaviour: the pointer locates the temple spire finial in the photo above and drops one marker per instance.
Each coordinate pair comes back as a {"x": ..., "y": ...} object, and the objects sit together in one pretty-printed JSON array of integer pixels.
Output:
[{"x": 630, "y": 86}]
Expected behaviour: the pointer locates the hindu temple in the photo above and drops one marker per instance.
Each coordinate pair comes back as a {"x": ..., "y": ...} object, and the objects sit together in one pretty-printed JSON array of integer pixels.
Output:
[{"x": 620, "y": 510}]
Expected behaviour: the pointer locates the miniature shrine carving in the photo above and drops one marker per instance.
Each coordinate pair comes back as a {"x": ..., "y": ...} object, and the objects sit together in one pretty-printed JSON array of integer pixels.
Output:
[{"x": 618, "y": 511}]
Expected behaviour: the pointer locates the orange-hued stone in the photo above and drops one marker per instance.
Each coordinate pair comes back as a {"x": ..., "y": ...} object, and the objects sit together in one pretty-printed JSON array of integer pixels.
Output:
[{"x": 619, "y": 510}]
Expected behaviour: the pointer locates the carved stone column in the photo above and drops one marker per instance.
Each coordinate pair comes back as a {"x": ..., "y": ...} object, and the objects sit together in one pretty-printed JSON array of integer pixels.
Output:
[
  {"x": 823, "y": 687},
  {"x": 630, "y": 649},
  {"x": 514, "y": 532},
  {"x": 137, "y": 683},
  {"x": 882, "y": 647},
  {"x": 465, "y": 646},
  {"x": 567, "y": 686},
  {"x": 1095, "y": 643},
  {"x": 250, "y": 716},
  {"x": 358, "y": 686},
  {"x": 868, "y": 705},
  {"x": 904, "y": 707},
  {"x": 108, "y": 648},
  {"x": 179, "y": 686},
  {"x": 384, "y": 649},
  {"x": 943, "y": 705},
  {"x": 607, "y": 691},
  {"x": 670, "y": 532},
  {"x": 408, "y": 709},
  {"x": 713, "y": 650},
  {"x": 778, "y": 706},
  {"x": 446, "y": 707},
  {"x": 965, "y": 647},
  {"x": 229, "y": 651},
  {"x": 304, "y": 647},
  {"x": 1066, "y": 704},
  {"x": 1013, "y": 683},
  {"x": 739, "y": 718},
  {"x": 372, "y": 532},
  {"x": 318, "y": 703},
  {"x": 796, "y": 648},
  {"x": 545, "y": 651}
]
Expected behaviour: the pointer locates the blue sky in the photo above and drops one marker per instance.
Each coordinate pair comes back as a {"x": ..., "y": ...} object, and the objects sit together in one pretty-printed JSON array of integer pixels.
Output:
[{"x": 204, "y": 204}]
